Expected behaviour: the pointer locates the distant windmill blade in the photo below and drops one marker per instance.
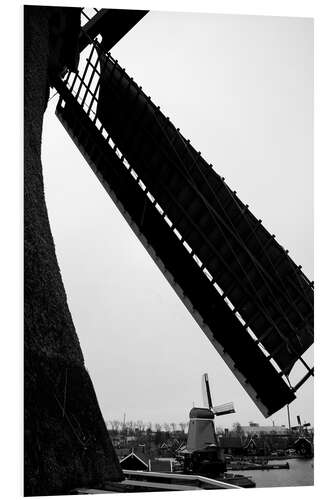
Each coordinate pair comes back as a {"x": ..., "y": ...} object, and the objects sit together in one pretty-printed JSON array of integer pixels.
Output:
[
  {"x": 206, "y": 395},
  {"x": 223, "y": 409}
]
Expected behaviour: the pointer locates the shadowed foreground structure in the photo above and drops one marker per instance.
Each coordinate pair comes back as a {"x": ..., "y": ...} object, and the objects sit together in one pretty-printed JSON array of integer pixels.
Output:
[{"x": 66, "y": 443}]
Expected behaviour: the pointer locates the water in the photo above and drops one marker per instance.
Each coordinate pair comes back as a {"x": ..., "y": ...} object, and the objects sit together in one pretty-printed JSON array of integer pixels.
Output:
[{"x": 299, "y": 474}]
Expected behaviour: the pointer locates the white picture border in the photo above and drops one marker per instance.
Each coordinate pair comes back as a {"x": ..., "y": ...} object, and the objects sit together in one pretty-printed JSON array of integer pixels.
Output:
[{"x": 12, "y": 231}]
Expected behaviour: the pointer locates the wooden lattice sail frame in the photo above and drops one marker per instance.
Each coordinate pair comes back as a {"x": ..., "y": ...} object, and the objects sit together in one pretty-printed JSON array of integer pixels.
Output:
[{"x": 251, "y": 300}]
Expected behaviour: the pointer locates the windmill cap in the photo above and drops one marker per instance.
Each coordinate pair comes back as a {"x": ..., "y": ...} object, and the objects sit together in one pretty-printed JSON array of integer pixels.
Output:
[{"x": 201, "y": 413}]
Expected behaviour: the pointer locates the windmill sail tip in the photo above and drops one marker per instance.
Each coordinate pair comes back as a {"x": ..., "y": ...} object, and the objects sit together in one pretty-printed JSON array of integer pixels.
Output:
[
  {"x": 224, "y": 409},
  {"x": 206, "y": 395}
]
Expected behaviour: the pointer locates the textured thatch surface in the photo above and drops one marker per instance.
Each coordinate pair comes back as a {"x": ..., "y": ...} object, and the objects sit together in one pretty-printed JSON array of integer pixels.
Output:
[{"x": 66, "y": 442}]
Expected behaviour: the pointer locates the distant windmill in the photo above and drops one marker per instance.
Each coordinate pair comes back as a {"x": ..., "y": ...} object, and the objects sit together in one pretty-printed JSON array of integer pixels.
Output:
[
  {"x": 201, "y": 431},
  {"x": 303, "y": 444},
  {"x": 300, "y": 427}
]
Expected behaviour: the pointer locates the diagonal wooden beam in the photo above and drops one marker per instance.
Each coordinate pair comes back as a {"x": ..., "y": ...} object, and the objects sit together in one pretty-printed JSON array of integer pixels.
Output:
[{"x": 112, "y": 24}]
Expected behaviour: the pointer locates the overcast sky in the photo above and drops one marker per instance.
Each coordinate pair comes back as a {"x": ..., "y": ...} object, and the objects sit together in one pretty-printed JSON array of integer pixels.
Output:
[{"x": 241, "y": 89}]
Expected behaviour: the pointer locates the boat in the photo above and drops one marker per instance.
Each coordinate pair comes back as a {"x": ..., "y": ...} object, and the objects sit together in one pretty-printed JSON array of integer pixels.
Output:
[
  {"x": 256, "y": 466},
  {"x": 238, "y": 480}
]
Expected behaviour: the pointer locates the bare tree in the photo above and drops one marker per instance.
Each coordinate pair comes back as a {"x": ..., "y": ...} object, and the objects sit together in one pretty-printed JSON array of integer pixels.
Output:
[
  {"x": 115, "y": 425},
  {"x": 183, "y": 427},
  {"x": 173, "y": 427},
  {"x": 140, "y": 425},
  {"x": 237, "y": 428},
  {"x": 166, "y": 427},
  {"x": 129, "y": 426}
]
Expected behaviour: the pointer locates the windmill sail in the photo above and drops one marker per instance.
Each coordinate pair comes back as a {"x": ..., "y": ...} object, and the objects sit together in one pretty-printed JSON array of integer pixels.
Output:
[
  {"x": 251, "y": 300},
  {"x": 264, "y": 285},
  {"x": 223, "y": 409},
  {"x": 206, "y": 395}
]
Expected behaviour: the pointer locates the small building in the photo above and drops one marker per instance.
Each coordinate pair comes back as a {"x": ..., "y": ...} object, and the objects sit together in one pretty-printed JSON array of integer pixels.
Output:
[
  {"x": 135, "y": 461},
  {"x": 181, "y": 447},
  {"x": 303, "y": 446},
  {"x": 231, "y": 445},
  {"x": 159, "y": 465},
  {"x": 255, "y": 429},
  {"x": 165, "y": 450},
  {"x": 250, "y": 447}
]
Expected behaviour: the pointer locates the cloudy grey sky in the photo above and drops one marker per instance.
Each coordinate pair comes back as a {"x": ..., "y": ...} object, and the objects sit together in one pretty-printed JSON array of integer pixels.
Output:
[{"x": 241, "y": 89}]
